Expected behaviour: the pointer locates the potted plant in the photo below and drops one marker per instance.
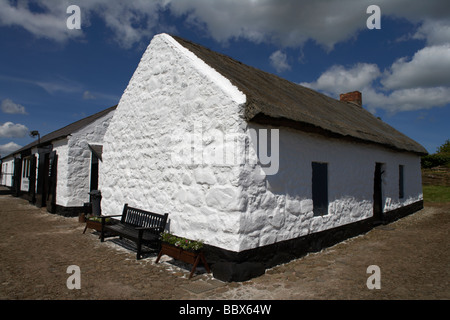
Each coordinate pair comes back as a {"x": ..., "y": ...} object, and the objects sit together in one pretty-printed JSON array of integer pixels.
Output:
[
  {"x": 95, "y": 222},
  {"x": 180, "y": 242},
  {"x": 186, "y": 250}
]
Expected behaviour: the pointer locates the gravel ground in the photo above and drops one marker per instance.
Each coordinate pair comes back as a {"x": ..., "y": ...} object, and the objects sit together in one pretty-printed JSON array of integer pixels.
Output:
[{"x": 36, "y": 248}]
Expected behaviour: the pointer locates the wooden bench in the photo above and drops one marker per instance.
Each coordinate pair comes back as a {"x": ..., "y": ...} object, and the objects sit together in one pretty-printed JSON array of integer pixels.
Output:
[{"x": 140, "y": 226}]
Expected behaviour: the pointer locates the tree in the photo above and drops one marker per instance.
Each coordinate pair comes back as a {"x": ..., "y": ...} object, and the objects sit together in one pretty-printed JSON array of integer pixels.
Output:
[
  {"x": 440, "y": 158},
  {"x": 445, "y": 148}
]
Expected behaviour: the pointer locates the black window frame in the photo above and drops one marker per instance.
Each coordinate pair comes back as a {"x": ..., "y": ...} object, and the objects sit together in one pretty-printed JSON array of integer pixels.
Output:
[
  {"x": 401, "y": 181},
  {"x": 319, "y": 188}
]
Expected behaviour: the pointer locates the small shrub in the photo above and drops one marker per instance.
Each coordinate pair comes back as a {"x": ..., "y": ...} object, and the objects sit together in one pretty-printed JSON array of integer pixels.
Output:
[{"x": 435, "y": 160}]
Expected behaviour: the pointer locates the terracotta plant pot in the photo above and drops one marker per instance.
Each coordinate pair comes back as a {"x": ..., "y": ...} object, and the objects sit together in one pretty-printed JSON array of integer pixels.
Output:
[{"x": 183, "y": 255}]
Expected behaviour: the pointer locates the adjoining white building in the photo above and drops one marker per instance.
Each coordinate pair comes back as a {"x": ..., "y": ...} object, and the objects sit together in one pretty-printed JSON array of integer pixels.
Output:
[
  {"x": 188, "y": 138},
  {"x": 59, "y": 170},
  {"x": 7, "y": 171}
]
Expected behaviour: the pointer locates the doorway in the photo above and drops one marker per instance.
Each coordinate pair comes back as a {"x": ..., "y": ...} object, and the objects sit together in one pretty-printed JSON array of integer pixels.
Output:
[
  {"x": 51, "y": 182},
  {"x": 32, "y": 180},
  {"x": 42, "y": 177},
  {"x": 378, "y": 193}
]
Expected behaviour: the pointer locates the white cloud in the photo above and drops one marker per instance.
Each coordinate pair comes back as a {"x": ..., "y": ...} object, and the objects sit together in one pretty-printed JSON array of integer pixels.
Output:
[
  {"x": 410, "y": 99},
  {"x": 278, "y": 60},
  {"x": 292, "y": 22},
  {"x": 8, "y": 106},
  {"x": 8, "y": 148},
  {"x": 435, "y": 32},
  {"x": 87, "y": 95},
  {"x": 61, "y": 84},
  {"x": 51, "y": 23},
  {"x": 338, "y": 79},
  {"x": 364, "y": 77},
  {"x": 130, "y": 21},
  {"x": 429, "y": 67},
  {"x": 11, "y": 130},
  {"x": 285, "y": 23},
  {"x": 410, "y": 83}
]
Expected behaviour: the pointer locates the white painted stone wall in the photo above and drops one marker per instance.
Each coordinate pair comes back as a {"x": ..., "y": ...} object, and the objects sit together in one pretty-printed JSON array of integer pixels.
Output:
[
  {"x": 173, "y": 97},
  {"x": 173, "y": 94},
  {"x": 62, "y": 191},
  {"x": 7, "y": 172},
  {"x": 280, "y": 206},
  {"x": 74, "y": 162}
]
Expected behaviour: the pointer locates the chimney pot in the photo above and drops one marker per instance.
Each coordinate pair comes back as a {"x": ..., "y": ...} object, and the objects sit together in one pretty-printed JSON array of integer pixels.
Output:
[{"x": 354, "y": 97}]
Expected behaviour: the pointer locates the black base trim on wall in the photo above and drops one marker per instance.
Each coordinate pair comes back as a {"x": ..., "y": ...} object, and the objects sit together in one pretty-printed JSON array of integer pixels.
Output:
[
  {"x": 5, "y": 191},
  {"x": 241, "y": 266},
  {"x": 399, "y": 213},
  {"x": 68, "y": 211}
]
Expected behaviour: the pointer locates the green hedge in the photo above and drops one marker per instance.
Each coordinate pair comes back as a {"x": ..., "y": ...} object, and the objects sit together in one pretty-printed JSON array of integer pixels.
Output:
[{"x": 434, "y": 160}]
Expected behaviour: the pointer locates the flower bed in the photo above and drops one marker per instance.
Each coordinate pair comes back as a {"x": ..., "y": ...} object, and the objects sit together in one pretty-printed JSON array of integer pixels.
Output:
[
  {"x": 183, "y": 249},
  {"x": 98, "y": 219},
  {"x": 183, "y": 243},
  {"x": 95, "y": 222}
]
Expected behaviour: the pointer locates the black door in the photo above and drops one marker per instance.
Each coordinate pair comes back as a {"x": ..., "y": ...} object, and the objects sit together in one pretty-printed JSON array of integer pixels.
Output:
[
  {"x": 42, "y": 180},
  {"x": 94, "y": 172},
  {"x": 377, "y": 194},
  {"x": 17, "y": 177},
  {"x": 32, "y": 179},
  {"x": 51, "y": 185}
]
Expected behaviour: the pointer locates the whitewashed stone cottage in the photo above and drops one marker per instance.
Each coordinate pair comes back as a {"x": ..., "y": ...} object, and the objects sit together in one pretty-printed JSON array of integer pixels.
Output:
[
  {"x": 7, "y": 170},
  {"x": 187, "y": 138},
  {"x": 59, "y": 170}
]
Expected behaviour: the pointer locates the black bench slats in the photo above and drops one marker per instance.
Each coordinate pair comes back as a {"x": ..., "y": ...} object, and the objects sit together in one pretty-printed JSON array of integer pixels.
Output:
[
  {"x": 128, "y": 233},
  {"x": 140, "y": 226}
]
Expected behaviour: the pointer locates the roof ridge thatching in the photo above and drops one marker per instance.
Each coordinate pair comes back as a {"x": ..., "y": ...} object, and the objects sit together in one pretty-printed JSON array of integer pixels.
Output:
[{"x": 273, "y": 100}]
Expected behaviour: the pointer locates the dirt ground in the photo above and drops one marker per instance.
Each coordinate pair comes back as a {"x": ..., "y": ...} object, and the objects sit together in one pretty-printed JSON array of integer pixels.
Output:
[{"x": 36, "y": 248}]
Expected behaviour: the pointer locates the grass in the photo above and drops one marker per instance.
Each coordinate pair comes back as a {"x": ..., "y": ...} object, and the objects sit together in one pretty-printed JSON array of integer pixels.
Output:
[
  {"x": 436, "y": 193},
  {"x": 436, "y": 184}
]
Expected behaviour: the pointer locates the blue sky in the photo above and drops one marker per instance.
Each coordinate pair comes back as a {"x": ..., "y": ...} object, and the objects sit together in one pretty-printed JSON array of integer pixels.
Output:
[{"x": 51, "y": 75}]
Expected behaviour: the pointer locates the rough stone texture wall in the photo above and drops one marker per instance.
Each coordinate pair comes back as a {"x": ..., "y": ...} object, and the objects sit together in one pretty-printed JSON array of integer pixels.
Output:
[
  {"x": 170, "y": 99},
  {"x": 74, "y": 162},
  {"x": 62, "y": 175},
  {"x": 279, "y": 207}
]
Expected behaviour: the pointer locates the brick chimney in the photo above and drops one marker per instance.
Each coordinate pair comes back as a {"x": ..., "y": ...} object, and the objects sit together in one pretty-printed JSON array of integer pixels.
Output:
[{"x": 353, "y": 97}]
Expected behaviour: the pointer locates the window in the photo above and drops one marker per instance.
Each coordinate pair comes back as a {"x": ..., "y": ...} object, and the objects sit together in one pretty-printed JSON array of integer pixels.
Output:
[
  {"x": 26, "y": 168},
  {"x": 320, "y": 188},
  {"x": 401, "y": 187}
]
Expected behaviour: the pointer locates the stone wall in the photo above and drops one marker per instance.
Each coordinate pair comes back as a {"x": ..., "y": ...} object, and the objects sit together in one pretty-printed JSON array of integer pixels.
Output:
[
  {"x": 279, "y": 207},
  {"x": 159, "y": 146},
  {"x": 74, "y": 162}
]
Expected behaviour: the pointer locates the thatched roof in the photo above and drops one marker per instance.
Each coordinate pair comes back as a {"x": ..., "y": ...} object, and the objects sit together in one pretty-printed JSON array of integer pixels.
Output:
[{"x": 275, "y": 101}]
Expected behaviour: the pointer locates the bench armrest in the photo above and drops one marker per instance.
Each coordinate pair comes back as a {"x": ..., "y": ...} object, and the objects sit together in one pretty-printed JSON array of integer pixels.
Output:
[
  {"x": 103, "y": 218},
  {"x": 116, "y": 215},
  {"x": 147, "y": 228}
]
